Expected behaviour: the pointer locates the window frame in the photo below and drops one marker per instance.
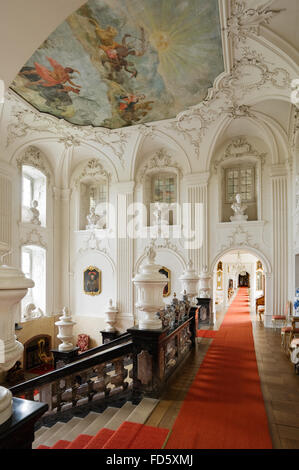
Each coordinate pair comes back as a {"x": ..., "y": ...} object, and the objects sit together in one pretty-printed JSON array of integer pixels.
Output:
[{"x": 239, "y": 168}]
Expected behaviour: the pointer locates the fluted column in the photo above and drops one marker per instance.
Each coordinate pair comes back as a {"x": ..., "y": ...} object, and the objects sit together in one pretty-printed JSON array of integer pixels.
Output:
[
  {"x": 124, "y": 250},
  {"x": 280, "y": 238}
]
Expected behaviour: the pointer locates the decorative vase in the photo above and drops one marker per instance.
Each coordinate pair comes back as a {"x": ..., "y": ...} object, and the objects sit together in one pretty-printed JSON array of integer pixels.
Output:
[
  {"x": 65, "y": 326},
  {"x": 13, "y": 287},
  {"x": 150, "y": 284},
  {"x": 110, "y": 315}
]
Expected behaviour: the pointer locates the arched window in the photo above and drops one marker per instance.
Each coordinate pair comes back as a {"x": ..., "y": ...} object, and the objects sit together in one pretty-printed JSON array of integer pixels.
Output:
[
  {"x": 34, "y": 267},
  {"x": 34, "y": 189}
]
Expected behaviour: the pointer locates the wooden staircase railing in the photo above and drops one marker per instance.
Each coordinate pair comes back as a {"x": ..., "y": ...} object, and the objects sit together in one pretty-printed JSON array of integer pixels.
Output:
[{"x": 91, "y": 378}]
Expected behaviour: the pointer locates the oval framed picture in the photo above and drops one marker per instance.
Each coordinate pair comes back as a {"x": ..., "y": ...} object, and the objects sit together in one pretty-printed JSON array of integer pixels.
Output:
[{"x": 92, "y": 281}]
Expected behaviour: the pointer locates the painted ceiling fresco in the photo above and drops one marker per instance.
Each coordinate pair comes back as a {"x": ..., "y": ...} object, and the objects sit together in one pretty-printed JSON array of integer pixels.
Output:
[{"x": 115, "y": 63}]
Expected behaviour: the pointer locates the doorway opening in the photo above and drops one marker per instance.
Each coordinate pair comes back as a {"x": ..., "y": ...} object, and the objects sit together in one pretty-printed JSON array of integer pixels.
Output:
[{"x": 234, "y": 269}]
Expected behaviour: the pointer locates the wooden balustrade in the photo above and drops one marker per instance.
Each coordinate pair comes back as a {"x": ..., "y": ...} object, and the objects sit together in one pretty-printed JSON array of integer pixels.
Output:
[
  {"x": 99, "y": 376},
  {"x": 137, "y": 363}
]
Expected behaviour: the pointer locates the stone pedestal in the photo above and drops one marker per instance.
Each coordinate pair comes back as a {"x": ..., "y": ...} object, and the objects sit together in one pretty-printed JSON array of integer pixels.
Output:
[
  {"x": 13, "y": 287},
  {"x": 238, "y": 218},
  {"x": 150, "y": 283},
  {"x": 108, "y": 336},
  {"x": 204, "y": 311},
  {"x": 18, "y": 431},
  {"x": 62, "y": 358},
  {"x": 65, "y": 326}
]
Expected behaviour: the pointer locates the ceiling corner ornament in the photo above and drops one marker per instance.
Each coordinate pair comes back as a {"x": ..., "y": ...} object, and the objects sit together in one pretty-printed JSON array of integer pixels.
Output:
[
  {"x": 161, "y": 159},
  {"x": 33, "y": 157},
  {"x": 93, "y": 169},
  {"x": 26, "y": 121},
  {"x": 249, "y": 73},
  {"x": 245, "y": 21},
  {"x": 33, "y": 238}
]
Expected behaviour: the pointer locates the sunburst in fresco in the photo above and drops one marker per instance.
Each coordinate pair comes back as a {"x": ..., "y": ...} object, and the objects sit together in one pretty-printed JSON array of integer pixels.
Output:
[{"x": 122, "y": 62}]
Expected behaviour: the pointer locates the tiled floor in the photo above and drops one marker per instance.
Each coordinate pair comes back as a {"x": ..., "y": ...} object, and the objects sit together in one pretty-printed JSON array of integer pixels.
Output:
[{"x": 280, "y": 386}]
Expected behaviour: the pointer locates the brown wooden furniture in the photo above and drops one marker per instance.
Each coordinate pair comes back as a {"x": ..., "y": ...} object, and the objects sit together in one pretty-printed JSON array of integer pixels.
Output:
[
  {"x": 281, "y": 320},
  {"x": 288, "y": 333}
]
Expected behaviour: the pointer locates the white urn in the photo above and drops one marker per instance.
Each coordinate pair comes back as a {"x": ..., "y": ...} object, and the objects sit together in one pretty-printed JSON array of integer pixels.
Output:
[
  {"x": 65, "y": 330},
  {"x": 189, "y": 280},
  {"x": 13, "y": 287},
  {"x": 110, "y": 316},
  {"x": 150, "y": 284}
]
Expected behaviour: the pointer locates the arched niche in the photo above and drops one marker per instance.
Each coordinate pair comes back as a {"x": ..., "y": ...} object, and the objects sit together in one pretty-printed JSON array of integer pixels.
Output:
[
  {"x": 238, "y": 166},
  {"x": 90, "y": 184}
]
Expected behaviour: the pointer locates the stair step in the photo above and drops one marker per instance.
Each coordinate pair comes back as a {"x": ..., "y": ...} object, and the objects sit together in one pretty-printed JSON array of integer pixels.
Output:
[
  {"x": 40, "y": 431},
  {"x": 137, "y": 436},
  {"x": 61, "y": 432},
  {"x": 99, "y": 439},
  {"x": 61, "y": 444},
  {"x": 80, "y": 427},
  {"x": 100, "y": 421},
  {"x": 143, "y": 410},
  {"x": 80, "y": 442},
  {"x": 120, "y": 416},
  {"x": 43, "y": 447},
  {"x": 46, "y": 435}
]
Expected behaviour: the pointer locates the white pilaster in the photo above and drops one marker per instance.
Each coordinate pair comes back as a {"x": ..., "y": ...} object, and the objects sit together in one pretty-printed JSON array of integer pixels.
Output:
[
  {"x": 197, "y": 189},
  {"x": 280, "y": 238},
  {"x": 124, "y": 249}
]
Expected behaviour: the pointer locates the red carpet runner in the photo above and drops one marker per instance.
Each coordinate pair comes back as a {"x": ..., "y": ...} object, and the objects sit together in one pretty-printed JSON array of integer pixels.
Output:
[{"x": 224, "y": 408}]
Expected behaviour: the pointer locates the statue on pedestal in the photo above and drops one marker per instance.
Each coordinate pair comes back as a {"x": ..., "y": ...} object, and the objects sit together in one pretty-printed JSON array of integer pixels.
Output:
[
  {"x": 95, "y": 220},
  {"x": 34, "y": 213},
  {"x": 238, "y": 209}
]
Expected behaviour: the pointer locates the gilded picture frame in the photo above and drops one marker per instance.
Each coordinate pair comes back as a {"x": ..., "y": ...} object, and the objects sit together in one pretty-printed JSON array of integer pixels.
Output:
[
  {"x": 92, "y": 281},
  {"x": 167, "y": 288}
]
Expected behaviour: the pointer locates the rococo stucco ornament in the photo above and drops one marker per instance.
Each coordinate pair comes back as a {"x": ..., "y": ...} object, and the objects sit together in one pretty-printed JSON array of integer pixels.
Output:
[
  {"x": 34, "y": 157},
  {"x": 93, "y": 169},
  {"x": 161, "y": 159},
  {"x": 245, "y": 21}
]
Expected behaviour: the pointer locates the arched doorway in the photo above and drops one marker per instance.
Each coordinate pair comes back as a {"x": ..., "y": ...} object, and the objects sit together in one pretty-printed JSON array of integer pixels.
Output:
[
  {"x": 247, "y": 262},
  {"x": 244, "y": 279}
]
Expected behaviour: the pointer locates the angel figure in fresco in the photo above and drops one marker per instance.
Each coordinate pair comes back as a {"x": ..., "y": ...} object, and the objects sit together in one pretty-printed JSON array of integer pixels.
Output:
[
  {"x": 116, "y": 52},
  {"x": 59, "y": 75},
  {"x": 132, "y": 107}
]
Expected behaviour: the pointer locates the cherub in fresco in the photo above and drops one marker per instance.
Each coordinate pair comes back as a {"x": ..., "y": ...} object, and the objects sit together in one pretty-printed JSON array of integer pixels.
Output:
[
  {"x": 116, "y": 53},
  {"x": 50, "y": 78},
  {"x": 132, "y": 109}
]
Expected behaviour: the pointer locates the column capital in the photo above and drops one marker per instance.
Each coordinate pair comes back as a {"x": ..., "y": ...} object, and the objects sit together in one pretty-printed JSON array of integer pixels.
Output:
[
  {"x": 278, "y": 170},
  {"x": 61, "y": 193},
  {"x": 197, "y": 179}
]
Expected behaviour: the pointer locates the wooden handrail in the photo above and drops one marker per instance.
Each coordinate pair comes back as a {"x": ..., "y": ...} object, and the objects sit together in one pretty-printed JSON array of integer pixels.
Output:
[
  {"x": 103, "y": 347},
  {"x": 78, "y": 366}
]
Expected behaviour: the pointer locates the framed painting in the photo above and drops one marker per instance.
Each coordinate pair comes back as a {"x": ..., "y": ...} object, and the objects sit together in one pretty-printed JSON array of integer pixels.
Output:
[
  {"x": 167, "y": 288},
  {"x": 92, "y": 281},
  {"x": 219, "y": 280}
]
